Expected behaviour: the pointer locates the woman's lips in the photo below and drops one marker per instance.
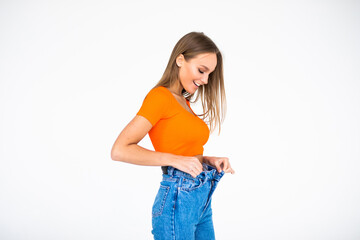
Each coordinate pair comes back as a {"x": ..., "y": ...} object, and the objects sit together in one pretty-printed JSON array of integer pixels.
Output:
[{"x": 195, "y": 84}]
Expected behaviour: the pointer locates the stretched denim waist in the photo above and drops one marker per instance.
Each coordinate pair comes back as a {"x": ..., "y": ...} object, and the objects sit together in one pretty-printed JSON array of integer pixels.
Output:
[{"x": 209, "y": 172}]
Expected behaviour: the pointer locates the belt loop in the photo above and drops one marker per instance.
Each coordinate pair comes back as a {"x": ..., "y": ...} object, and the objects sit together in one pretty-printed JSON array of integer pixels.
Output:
[
  {"x": 180, "y": 182},
  {"x": 169, "y": 170}
]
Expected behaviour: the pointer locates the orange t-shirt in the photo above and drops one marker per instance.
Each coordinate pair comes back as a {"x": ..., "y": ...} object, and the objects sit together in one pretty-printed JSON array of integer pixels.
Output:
[{"x": 175, "y": 130}]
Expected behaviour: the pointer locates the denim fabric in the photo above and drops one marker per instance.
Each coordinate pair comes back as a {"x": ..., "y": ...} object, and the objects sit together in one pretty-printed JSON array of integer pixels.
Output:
[{"x": 182, "y": 206}]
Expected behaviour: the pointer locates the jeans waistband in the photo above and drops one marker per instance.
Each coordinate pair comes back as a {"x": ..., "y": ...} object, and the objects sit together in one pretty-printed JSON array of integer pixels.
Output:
[{"x": 208, "y": 172}]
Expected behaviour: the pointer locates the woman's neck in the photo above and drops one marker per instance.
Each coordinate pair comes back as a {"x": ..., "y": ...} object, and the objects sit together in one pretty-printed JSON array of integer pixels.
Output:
[{"x": 176, "y": 89}]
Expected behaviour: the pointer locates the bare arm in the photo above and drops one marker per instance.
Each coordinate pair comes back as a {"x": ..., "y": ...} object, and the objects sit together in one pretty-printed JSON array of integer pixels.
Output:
[{"x": 126, "y": 149}]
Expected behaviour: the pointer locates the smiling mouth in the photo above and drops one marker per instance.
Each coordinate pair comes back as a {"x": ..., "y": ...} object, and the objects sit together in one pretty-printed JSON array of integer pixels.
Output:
[{"x": 196, "y": 84}]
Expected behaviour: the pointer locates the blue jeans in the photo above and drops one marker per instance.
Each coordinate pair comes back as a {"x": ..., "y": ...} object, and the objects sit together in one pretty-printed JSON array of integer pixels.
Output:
[{"x": 182, "y": 206}]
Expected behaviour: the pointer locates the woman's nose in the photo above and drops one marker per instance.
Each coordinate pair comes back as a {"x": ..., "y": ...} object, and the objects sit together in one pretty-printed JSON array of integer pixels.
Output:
[{"x": 205, "y": 79}]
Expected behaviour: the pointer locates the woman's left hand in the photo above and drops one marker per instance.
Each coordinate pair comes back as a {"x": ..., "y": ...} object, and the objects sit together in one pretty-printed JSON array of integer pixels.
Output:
[{"x": 221, "y": 163}]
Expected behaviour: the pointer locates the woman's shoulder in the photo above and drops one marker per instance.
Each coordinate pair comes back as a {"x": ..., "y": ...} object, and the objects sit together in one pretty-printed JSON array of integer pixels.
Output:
[
  {"x": 159, "y": 95},
  {"x": 159, "y": 92},
  {"x": 160, "y": 89}
]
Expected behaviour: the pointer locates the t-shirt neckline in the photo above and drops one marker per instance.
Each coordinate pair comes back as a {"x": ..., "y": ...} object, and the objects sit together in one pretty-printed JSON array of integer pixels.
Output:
[{"x": 187, "y": 101}]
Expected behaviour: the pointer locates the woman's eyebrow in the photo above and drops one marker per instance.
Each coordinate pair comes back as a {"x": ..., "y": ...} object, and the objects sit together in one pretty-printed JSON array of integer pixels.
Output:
[{"x": 205, "y": 67}]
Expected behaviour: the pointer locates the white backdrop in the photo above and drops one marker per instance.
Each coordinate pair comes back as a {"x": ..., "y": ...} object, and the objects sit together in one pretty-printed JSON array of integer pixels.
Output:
[{"x": 74, "y": 73}]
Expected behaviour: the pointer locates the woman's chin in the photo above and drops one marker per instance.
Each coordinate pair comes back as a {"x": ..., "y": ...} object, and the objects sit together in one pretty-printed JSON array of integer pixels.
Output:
[{"x": 191, "y": 90}]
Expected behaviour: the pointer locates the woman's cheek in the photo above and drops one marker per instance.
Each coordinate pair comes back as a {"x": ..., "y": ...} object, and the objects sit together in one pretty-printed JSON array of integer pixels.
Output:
[{"x": 195, "y": 73}]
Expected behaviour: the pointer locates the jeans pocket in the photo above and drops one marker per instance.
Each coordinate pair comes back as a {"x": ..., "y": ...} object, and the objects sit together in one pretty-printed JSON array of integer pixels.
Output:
[
  {"x": 160, "y": 199},
  {"x": 191, "y": 184}
]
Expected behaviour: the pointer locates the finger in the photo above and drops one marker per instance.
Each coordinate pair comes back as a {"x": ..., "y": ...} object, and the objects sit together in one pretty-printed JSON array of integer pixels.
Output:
[
  {"x": 231, "y": 169},
  {"x": 192, "y": 173},
  {"x": 196, "y": 170},
  {"x": 198, "y": 173},
  {"x": 217, "y": 165},
  {"x": 226, "y": 164},
  {"x": 198, "y": 166}
]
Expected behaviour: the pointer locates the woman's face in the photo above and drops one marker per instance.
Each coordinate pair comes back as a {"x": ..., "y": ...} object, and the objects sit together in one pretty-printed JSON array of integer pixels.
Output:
[{"x": 195, "y": 72}]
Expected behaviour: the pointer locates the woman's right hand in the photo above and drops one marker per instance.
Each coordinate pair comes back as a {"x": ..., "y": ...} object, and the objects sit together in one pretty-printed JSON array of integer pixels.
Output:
[{"x": 190, "y": 165}]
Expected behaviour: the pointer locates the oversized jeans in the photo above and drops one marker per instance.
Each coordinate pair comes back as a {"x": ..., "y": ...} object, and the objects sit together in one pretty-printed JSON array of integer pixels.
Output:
[{"x": 182, "y": 206}]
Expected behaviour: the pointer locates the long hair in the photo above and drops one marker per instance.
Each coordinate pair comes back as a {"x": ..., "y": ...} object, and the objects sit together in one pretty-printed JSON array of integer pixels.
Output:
[{"x": 212, "y": 94}]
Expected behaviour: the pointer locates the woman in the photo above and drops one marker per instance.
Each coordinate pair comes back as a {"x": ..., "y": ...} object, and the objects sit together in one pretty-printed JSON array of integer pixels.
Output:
[{"x": 182, "y": 206}]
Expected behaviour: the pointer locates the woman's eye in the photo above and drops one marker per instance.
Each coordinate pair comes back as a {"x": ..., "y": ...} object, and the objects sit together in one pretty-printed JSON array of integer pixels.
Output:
[{"x": 200, "y": 71}]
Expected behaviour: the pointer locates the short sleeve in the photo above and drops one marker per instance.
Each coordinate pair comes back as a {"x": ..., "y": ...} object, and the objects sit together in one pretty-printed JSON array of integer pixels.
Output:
[{"x": 155, "y": 105}]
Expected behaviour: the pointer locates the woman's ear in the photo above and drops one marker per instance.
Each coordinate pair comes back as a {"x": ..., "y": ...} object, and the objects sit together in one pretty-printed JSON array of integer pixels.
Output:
[{"x": 179, "y": 60}]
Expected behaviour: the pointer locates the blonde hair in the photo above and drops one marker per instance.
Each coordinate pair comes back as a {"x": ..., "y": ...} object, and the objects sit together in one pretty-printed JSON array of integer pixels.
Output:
[{"x": 212, "y": 94}]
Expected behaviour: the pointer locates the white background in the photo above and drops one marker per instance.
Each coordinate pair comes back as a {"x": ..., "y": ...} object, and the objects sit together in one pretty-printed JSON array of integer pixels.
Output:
[{"x": 74, "y": 73}]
